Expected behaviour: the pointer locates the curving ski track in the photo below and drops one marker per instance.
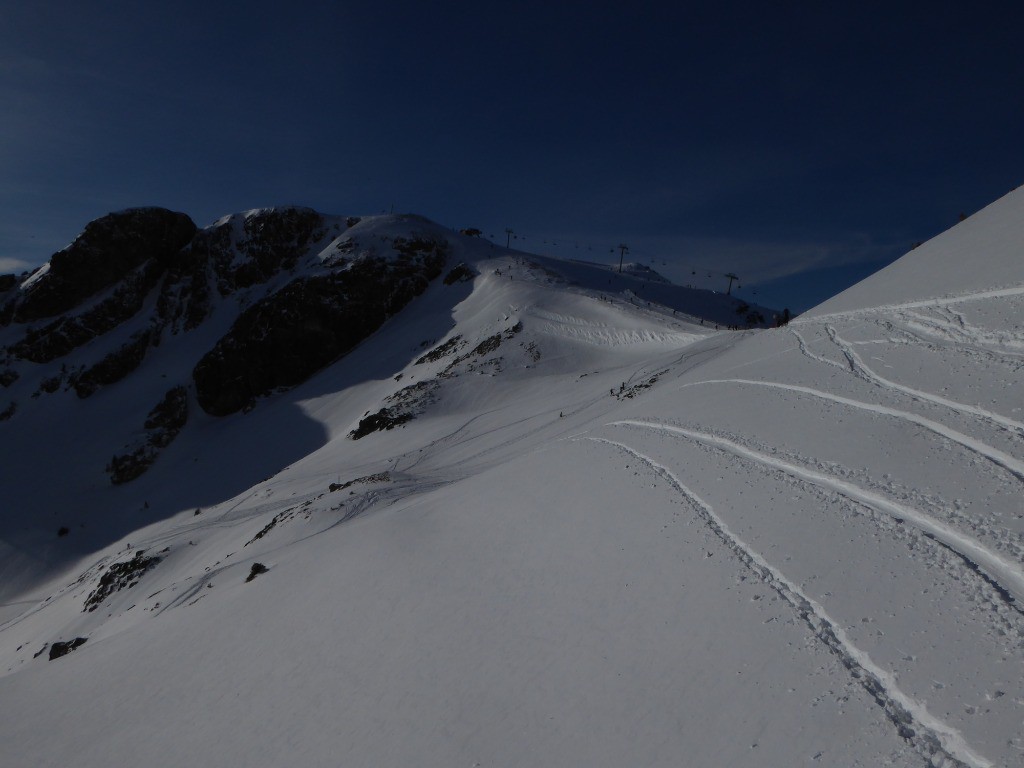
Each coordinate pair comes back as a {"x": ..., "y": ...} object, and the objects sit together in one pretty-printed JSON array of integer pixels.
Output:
[
  {"x": 861, "y": 369},
  {"x": 806, "y": 350},
  {"x": 1007, "y": 575},
  {"x": 941, "y": 301},
  {"x": 931, "y": 736},
  {"x": 1004, "y": 460}
]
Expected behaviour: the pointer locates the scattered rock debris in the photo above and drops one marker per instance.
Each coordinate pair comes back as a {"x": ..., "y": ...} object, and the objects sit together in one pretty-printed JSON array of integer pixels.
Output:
[
  {"x": 378, "y": 477},
  {"x": 630, "y": 392},
  {"x": 125, "y": 574},
  {"x": 450, "y": 346}
]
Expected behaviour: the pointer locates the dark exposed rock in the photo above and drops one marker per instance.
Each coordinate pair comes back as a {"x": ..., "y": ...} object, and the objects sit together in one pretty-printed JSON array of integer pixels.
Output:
[
  {"x": 154, "y": 261},
  {"x": 169, "y": 415},
  {"x": 108, "y": 249},
  {"x": 162, "y": 425},
  {"x": 184, "y": 299},
  {"x": 274, "y": 239},
  {"x": 376, "y": 477},
  {"x": 283, "y": 339},
  {"x": 491, "y": 343},
  {"x": 383, "y": 419},
  {"x": 440, "y": 351},
  {"x": 487, "y": 346},
  {"x": 123, "y": 575},
  {"x": 59, "y": 649},
  {"x": 61, "y": 336},
  {"x": 125, "y": 467},
  {"x": 7, "y": 412},
  {"x": 114, "y": 366},
  {"x": 264, "y": 530},
  {"x": 414, "y": 396},
  {"x": 627, "y": 393},
  {"x": 403, "y": 406},
  {"x": 460, "y": 273},
  {"x": 256, "y": 570},
  {"x": 481, "y": 350}
]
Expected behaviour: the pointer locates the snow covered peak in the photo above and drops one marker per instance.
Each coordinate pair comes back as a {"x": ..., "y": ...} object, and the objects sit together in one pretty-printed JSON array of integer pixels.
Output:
[{"x": 541, "y": 514}]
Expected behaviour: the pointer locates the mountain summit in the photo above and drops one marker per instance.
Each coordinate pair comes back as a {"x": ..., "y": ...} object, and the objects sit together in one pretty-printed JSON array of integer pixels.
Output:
[{"x": 300, "y": 489}]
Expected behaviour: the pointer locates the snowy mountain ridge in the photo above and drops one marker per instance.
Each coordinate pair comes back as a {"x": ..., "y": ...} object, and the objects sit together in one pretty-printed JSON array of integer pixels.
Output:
[{"x": 533, "y": 519}]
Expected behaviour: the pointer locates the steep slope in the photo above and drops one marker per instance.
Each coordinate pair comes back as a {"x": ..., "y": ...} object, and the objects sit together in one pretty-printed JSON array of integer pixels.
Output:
[
  {"x": 114, "y": 356},
  {"x": 595, "y": 533},
  {"x": 981, "y": 253},
  {"x": 144, "y": 325}
]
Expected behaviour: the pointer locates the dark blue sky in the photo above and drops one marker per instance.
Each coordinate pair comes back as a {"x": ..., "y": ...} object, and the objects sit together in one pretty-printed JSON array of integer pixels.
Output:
[{"x": 765, "y": 139}]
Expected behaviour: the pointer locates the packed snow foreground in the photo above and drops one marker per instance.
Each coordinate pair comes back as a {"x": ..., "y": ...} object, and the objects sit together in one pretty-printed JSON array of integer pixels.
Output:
[{"x": 579, "y": 527}]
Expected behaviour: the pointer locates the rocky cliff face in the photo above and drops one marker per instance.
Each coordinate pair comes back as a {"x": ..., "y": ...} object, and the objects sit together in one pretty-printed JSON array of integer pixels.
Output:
[
  {"x": 294, "y": 289},
  {"x": 107, "y": 252},
  {"x": 282, "y": 339}
]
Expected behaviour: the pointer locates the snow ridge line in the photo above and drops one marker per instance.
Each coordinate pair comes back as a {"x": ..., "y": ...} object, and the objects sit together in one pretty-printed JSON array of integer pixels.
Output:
[
  {"x": 942, "y": 301},
  {"x": 1004, "y": 460},
  {"x": 865, "y": 372},
  {"x": 1007, "y": 575},
  {"x": 902, "y": 710}
]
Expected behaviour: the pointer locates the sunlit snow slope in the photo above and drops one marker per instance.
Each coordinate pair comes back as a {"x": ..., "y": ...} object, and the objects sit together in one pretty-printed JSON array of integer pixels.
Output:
[{"x": 611, "y": 535}]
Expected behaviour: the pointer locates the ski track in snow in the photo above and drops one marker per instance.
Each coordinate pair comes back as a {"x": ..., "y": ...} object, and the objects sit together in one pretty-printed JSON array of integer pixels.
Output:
[
  {"x": 955, "y": 329},
  {"x": 941, "y": 301},
  {"x": 806, "y": 350},
  {"x": 1004, "y": 460},
  {"x": 929, "y": 735},
  {"x": 862, "y": 369},
  {"x": 907, "y": 335},
  {"x": 1006, "y": 576}
]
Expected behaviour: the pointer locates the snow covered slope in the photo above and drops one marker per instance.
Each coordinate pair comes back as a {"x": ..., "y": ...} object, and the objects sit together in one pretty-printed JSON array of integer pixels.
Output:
[
  {"x": 982, "y": 253},
  {"x": 113, "y": 361},
  {"x": 597, "y": 533}
]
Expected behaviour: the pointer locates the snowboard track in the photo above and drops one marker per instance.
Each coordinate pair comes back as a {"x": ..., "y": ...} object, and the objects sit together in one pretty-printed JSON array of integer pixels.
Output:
[
  {"x": 941, "y": 301},
  {"x": 997, "y": 457},
  {"x": 861, "y": 370},
  {"x": 927, "y": 735},
  {"x": 1005, "y": 576}
]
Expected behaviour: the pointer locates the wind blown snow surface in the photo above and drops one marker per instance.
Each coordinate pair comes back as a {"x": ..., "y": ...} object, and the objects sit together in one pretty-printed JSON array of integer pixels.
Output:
[{"x": 611, "y": 536}]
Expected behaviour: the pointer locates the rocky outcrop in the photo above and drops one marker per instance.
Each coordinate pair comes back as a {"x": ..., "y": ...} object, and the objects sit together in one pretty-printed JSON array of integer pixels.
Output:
[
  {"x": 273, "y": 240},
  {"x": 103, "y": 254},
  {"x": 59, "y": 649},
  {"x": 61, "y": 336},
  {"x": 296, "y": 309},
  {"x": 123, "y": 575},
  {"x": 163, "y": 424},
  {"x": 460, "y": 273},
  {"x": 114, "y": 366},
  {"x": 383, "y": 419},
  {"x": 285, "y": 338}
]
